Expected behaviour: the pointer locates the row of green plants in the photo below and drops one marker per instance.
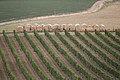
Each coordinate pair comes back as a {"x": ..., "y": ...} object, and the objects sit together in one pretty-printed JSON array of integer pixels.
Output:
[
  {"x": 29, "y": 57},
  {"x": 102, "y": 65},
  {"x": 55, "y": 58},
  {"x": 103, "y": 45},
  {"x": 93, "y": 47},
  {"x": 117, "y": 33},
  {"x": 42, "y": 57},
  {"x": 23, "y": 69},
  {"x": 69, "y": 59},
  {"x": 112, "y": 37},
  {"x": 82, "y": 59},
  {"x": 107, "y": 41},
  {"x": 6, "y": 66}
]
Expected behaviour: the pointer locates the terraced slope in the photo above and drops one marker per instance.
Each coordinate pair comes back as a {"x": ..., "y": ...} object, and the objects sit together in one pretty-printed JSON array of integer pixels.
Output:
[{"x": 60, "y": 56}]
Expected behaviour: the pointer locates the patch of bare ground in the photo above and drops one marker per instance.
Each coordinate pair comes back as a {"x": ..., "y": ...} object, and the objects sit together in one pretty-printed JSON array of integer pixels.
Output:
[
  {"x": 71, "y": 55},
  {"x": 98, "y": 38},
  {"x": 24, "y": 59},
  {"x": 85, "y": 55},
  {"x": 48, "y": 57},
  {"x": 36, "y": 58},
  {"x": 3, "y": 75},
  {"x": 58, "y": 54},
  {"x": 11, "y": 60}
]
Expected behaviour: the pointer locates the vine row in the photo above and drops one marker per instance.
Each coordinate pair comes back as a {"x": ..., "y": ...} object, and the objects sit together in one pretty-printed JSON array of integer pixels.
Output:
[
  {"x": 81, "y": 58},
  {"x": 48, "y": 65},
  {"x": 102, "y": 65}
]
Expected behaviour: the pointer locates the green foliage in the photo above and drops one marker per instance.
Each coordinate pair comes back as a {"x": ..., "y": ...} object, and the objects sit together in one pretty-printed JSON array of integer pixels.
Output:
[
  {"x": 6, "y": 66},
  {"x": 69, "y": 59},
  {"x": 103, "y": 65},
  {"x": 29, "y": 57},
  {"x": 107, "y": 41},
  {"x": 112, "y": 37},
  {"x": 84, "y": 61},
  {"x": 18, "y": 60},
  {"x": 59, "y": 63},
  {"x": 44, "y": 60},
  {"x": 93, "y": 47}
]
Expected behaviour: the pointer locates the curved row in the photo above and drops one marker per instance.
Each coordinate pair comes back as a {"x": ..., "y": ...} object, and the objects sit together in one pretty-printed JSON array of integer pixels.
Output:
[
  {"x": 107, "y": 41},
  {"x": 32, "y": 62},
  {"x": 112, "y": 37},
  {"x": 102, "y": 65},
  {"x": 103, "y": 46},
  {"x": 59, "y": 63},
  {"x": 103, "y": 55},
  {"x": 6, "y": 66},
  {"x": 41, "y": 56},
  {"x": 69, "y": 59},
  {"x": 84, "y": 61},
  {"x": 25, "y": 72}
]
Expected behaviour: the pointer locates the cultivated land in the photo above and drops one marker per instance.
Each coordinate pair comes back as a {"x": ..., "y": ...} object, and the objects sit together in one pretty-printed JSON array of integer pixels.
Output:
[
  {"x": 109, "y": 15},
  {"x": 60, "y": 55}
]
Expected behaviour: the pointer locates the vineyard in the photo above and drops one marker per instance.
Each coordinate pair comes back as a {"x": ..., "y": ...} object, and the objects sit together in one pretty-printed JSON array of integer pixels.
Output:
[{"x": 66, "y": 55}]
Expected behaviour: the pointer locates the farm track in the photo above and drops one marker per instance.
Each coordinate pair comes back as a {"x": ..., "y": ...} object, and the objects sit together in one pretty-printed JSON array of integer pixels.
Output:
[
  {"x": 3, "y": 75},
  {"x": 58, "y": 54},
  {"x": 36, "y": 58},
  {"x": 23, "y": 58},
  {"x": 11, "y": 60},
  {"x": 48, "y": 57}
]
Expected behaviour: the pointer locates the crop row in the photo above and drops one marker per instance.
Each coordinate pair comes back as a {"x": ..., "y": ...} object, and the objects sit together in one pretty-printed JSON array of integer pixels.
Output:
[
  {"x": 102, "y": 65},
  {"x": 6, "y": 66},
  {"x": 41, "y": 56},
  {"x": 107, "y": 41},
  {"x": 29, "y": 57},
  {"x": 103, "y": 55},
  {"x": 117, "y": 33},
  {"x": 69, "y": 59},
  {"x": 59, "y": 63},
  {"x": 102, "y": 45},
  {"x": 25, "y": 72},
  {"x": 112, "y": 37},
  {"x": 81, "y": 58}
]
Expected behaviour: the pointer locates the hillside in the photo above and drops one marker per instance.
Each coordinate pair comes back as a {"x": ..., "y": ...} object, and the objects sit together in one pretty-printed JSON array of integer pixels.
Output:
[{"x": 60, "y": 55}]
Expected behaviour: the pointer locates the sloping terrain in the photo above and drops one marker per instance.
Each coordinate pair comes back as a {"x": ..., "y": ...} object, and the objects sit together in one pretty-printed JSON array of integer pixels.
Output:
[{"x": 60, "y": 56}]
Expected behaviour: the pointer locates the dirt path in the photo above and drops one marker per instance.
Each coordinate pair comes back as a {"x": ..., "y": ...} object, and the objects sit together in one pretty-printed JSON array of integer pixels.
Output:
[
  {"x": 36, "y": 58},
  {"x": 24, "y": 59},
  {"x": 11, "y": 60}
]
